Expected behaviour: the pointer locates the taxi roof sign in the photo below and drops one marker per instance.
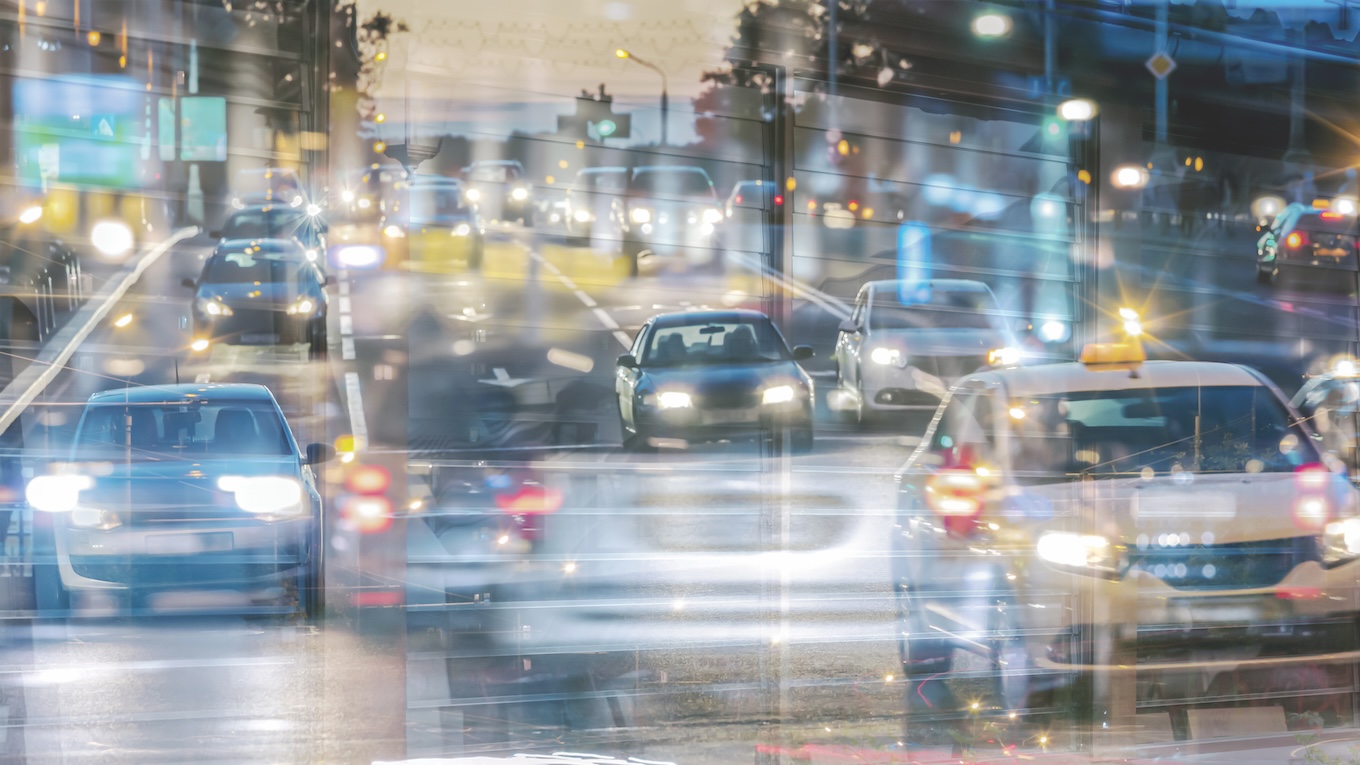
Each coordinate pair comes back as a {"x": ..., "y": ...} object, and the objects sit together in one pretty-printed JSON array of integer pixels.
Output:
[{"x": 1113, "y": 355}]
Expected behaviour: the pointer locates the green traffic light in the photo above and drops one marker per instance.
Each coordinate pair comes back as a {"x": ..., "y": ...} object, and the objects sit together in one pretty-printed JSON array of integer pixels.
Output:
[{"x": 605, "y": 128}]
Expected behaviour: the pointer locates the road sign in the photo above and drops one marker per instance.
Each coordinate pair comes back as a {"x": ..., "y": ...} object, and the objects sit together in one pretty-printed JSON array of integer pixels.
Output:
[{"x": 1160, "y": 65}]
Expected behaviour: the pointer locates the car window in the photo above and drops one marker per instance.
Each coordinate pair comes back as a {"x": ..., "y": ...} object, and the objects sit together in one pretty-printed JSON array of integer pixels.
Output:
[
  {"x": 259, "y": 224},
  {"x": 492, "y": 173},
  {"x": 1157, "y": 431},
  {"x": 927, "y": 308},
  {"x": 707, "y": 343},
  {"x": 242, "y": 267},
  {"x": 180, "y": 430},
  {"x": 672, "y": 182}
]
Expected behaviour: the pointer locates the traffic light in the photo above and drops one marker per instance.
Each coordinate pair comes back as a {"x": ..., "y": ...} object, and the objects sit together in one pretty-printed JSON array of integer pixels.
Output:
[{"x": 595, "y": 119}]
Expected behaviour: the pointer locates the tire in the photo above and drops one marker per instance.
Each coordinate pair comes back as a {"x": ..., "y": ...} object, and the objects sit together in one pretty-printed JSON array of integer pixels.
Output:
[
  {"x": 1266, "y": 278},
  {"x": 317, "y": 346},
  {"x": 920, "y": 655},
  {"x": 311, "y": 585},
  {"x": 1012, "y": 665}
]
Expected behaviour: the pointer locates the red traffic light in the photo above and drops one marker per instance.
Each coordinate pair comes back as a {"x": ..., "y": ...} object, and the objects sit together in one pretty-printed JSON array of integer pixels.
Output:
[{"x": 778, "y": 199}]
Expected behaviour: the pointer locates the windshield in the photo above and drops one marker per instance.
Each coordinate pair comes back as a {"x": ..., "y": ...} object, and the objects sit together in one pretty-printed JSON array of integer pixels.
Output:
[
  {"x": 934, "y": 309},
  {"x": 715, "y": 343},
  {"x": 1157, "y": 431},
  {"x": 260, "y": 224},
  {"x": 676, "y": 182},
  {"x": 245, "y": 268},
  {"x": 492, "y": 173},
  {"x": 435, "y": 202},
  {"x": 203, "y": 430},
  {"x": 264, "y": 181}
]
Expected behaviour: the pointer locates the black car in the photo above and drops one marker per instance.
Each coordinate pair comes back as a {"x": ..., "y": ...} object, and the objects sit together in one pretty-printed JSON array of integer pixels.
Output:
[
  {"x": 180, "y": 487},
  {"x": 712, "y": 375},
  {"x": 1308, "y": 236},
  {"x": 277, "y": 222},
  {"x": 260, "y": 292},
  {"x": 500, "y": 190}
]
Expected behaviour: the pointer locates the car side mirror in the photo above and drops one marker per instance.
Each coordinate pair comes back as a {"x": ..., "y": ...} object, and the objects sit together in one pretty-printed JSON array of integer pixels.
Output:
[
  {"x": 189, "y": 283},
  {"x": 849, "y": 326},
  {"x": 628, "y": 361},
  {"x": 215, "y": 234},
  {"x": 802, "y": 352},
  {"x": 318, "y": 453}
]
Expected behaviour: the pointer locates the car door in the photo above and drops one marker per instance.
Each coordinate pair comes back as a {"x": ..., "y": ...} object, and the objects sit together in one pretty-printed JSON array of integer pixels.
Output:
[
  {"x": 626, "y": 379},
  {"x": 848, "y": 344}
]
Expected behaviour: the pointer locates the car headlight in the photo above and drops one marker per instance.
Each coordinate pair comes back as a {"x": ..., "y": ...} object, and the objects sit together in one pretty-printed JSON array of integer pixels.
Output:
[
  {"x": 365, "y": 203},
  {"x": 779, "y": 394},
  {"x": 519, "y": 194},
  {"x": 113, "y": 238},
  {"x": 885, "y": 356},
  {"x": 640, "y": 215},
  {"x": 237, "y": 203},
  {"x": 347, "y": 196},
  {"x": 1341, "y": 541},
  {"x": 271, "y": 497},
  {"x": 1004, "y": 357},
  {"x": 214, "y": 308},
  {"x": 712, "y": 215},
  {"x": 358, "y": 256},
  {"x": 581, "y": 216},
  {"x": 393, "y": 232},
  {"x": 462, "y": 229},
  {"x": 1084, "y": 552},
  {"x": 301, "y": 306},
  {"x": 472, "y": 195},
  {"x": 673, "y": 399},
  {"x": 56, "y": 493},
  {"x": 95, "y": 518},
  {"x": 312, "y": 255}
]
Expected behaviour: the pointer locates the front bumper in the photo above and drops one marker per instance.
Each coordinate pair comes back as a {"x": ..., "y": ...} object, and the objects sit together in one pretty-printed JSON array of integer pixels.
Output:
[
  {"x": 254, "y": 327},
  {"x": 192, "y": 555},
  {"x": 699, "y": 424}
]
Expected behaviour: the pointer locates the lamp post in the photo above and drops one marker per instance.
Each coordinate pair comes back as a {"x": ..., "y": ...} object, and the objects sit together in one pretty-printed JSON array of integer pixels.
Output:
[{"x": 665, "y": 98}]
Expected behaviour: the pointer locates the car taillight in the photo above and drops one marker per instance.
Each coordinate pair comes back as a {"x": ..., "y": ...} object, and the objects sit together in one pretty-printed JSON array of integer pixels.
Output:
[
  {"x": 1295, "y": 240},
  {"x": 1312, "y": 509},
  {"x": 958, "y": 495},
  {"x": 530, "y": 499}
]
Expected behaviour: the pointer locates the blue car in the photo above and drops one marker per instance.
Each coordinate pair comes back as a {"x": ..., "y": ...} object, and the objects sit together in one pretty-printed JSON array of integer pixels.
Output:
[
  {"x": 260, "y": 292},
  {"x": 180, "y": 487},
  {"x": 710, "y": 376}
]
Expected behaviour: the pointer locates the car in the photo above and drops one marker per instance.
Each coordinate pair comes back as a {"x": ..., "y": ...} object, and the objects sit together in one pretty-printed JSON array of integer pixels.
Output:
[
  {"x": 260, "y": 292},
  {"x": 1331, "y": 403},
  {"x": 432, "y": 226},
  {"x": 756, "y": 195},
  {"x": 179, "y": 487},
  {"x": 500, "y": 190},
  {"x": 590, "y": 200},
  {"x": 1303, "y": 235},
  {"x": 712, "y": 375},
  {"x": 268, "y": 185},
  {"x": 276, "y": 222},
  {"x": 670, "y": 213},
  {"x": 907, "y": 341},
  {"x": 1054, "y": 515}
]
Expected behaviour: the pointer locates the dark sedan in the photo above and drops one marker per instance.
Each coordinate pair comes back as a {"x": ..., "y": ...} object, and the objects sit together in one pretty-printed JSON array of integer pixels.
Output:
[
  {"x": 277, "y": 222},
  {"x": 260, "y": 292},
  {"x": 712, "y": 375},
  {"x": 180, "y": 487}
]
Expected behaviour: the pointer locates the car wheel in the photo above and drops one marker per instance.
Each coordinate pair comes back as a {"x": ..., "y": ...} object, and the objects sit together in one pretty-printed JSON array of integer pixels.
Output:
[
  {"x": 311, "y": 585},
  {"x": 1266, "y": 278},
  {"x": 316, "y": 339},
  {"x": 1012, "y": 668}
]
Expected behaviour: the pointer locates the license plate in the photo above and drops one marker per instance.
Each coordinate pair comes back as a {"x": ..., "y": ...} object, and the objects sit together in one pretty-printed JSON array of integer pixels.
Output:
[
  {"x": 188, "y": 544},
  {"x": 259, "y": 338},
  {"x": 728, "y": 416}
]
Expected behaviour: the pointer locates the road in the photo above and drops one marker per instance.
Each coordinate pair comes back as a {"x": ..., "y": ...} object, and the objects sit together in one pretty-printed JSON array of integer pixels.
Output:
[{"x": 717, "y": 584}]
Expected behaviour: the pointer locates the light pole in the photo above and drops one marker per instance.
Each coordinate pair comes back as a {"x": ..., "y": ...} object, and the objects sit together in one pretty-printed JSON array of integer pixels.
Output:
[{"x": 665, "y": 98}]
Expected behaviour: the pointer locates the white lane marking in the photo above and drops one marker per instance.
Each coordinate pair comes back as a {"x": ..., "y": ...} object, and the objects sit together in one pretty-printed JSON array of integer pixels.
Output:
[
  {"x": 38, "y": 375},
  {"x": 584, "y": 298},
  {"x": 344, "y": 288},
  {"x": 605, "y": 318},
  {"x": 829, "y": 303},
  {"x": 571, "y": 284},
  {"x": 347, "y": 348},
  {"x": 344, "y": 303},
  {"x": 346, "y": 324},
  {"x": 357, "y": 423}
]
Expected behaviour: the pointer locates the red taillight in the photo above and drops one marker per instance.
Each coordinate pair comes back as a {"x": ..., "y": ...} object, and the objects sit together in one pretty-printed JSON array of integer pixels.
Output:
[
  {"x": 738, "y": 199},
  {"x": 778, "y": 199},
  {"x": 369, "y": 479},
  {"x": 1332, "y": 216},
  {"x": 958, "y": 494},
  {"x": 1312, "y": 509},
  {"x": 369, "y": 515},
  {"x": 530, "y": 499},
  {"x": 1295, "y": 240}
]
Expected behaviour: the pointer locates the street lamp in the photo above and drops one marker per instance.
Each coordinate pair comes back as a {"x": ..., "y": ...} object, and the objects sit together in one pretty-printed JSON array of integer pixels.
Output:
[
  {"x": 665, "y": 98},
  {"x": 1129, "y": 177},
  {"x": 1077, "y": 110},
  {"x": 992, "y": 25}
]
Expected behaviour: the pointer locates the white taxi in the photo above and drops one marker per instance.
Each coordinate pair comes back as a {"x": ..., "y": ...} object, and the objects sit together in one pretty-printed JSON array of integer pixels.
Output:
[{"x": 1055, "y": 513}]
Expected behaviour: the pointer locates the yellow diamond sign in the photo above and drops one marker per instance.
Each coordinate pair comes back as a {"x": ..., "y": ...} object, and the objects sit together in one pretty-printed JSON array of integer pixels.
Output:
[{"x": 1160, "y": 65}]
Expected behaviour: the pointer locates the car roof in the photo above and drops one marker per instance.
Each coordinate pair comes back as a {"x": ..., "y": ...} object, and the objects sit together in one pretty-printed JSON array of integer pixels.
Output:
[
  {"x": 1051, "y": 379},
  {"x": 275, "y": 246},
  {"x": 507, "y": 162},
  {"x": 669, "y": 169},
  {"x": 946, "y": 285},
  {"x": 148, "y": 394},
  {"x": 598, "y": 170},
  {"x": 718, "y": 316},
  {"x": 274, "y": 209},
  {"x": 436, "y": 180}
]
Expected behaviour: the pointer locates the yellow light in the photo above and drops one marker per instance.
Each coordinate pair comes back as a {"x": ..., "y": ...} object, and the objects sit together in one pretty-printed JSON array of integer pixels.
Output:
[
  {"x": 380, "y": 147},
  {"x": 382, "y": 55},
  {"x": 123, "y": 321},
  {"x": 548, "y": 179},
  {"x": 868, "y": 213},
  {"x": 956, "y": 136},
  {"x": 974, "y": 706},
  {"x": 40, "y": 7},
  {"x": 982, "y": 471},
  {"x": 416, "y": 504},
  {"x": 1133, "y": 328},
  {"x": 562, "y": 163},
  {"x": 621, "y": 53},
  {"x": 122, "y": 62},
  {"x": 31, "y": 215},
  {"x": 1017, "y": 413},
  {"x": 887, "y": 678},
  {"x": 93, "y": 38},
  {"x": 1128, "y": 314},
  {"x": 580, "y": 144},
  {"x": 1199, "y": 164},
  {"x": 1188, "y": 161},
  {"x": 843, "y": 147},
  {"x": 344, "y": 444},
  {"x": 198, "y": 345},
  {"x": 853, "y": 206},
  {"x": 380, "y": 118},
  {"x": 1084, "y": 176},
  {"x": 791, "y": 183}
]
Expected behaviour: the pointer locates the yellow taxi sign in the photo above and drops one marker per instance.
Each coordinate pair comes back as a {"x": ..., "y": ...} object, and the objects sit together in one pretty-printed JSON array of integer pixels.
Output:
[
  {"x": 1322, "y": 204},
  {"x": 1113, "y": 354}
]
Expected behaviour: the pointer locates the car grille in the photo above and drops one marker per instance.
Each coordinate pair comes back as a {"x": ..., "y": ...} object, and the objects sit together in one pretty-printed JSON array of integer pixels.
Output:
[
  {"x": 724, "y": 523},
  {"x": 727, "y": 397},
  {"x": 1244, "y": 565},
  {"x": 948, "y": 367}
]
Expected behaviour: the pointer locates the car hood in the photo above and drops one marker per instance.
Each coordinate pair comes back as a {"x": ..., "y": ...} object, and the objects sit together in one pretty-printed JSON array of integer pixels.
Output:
[
  {"x": 244, "y": 294},
  {"x": 940, "y": 342},
  {"x": 150, "y": 490},
  {"x": 703, "y": 379},
  {"x": 1211, "y": 509}
]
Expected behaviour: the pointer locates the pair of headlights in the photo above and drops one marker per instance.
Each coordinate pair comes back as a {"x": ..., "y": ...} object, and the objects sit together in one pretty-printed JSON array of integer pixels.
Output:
[
  {"x": 711, "y": 215},
  {"x": 677, "y": 399},
  {"x": 269, "y": 497}
]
